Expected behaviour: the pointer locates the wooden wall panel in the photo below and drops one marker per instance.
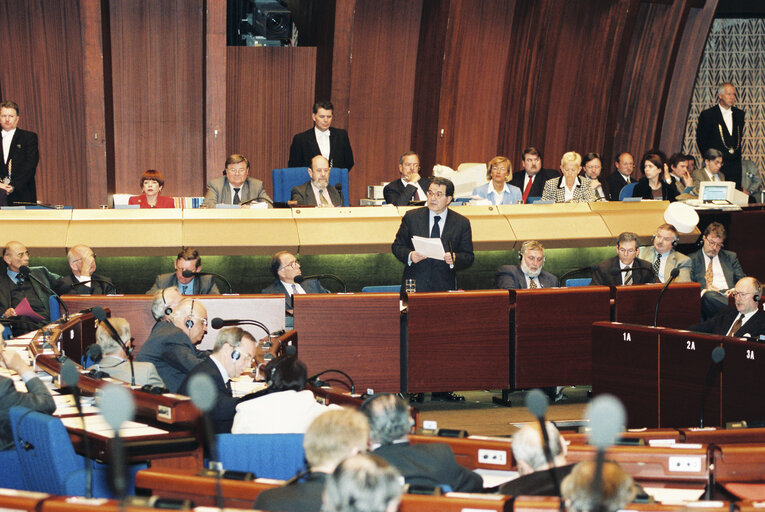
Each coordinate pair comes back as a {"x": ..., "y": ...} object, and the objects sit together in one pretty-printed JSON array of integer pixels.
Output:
[
  {"x": 158, "y": 81},
  {"x": 382, "y": 76},
  {"x": 215, "y": 87},
  {"x": 41, "y": 52},
  {"x": 269, "y": 95}
]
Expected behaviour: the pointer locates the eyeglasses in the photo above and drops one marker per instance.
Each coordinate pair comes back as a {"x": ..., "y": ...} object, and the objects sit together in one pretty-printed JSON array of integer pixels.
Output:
[
  {"x": 736, "y": 294},
  {"x": 411, "y": 165},
  {"x": 437, "y": 194},
  {"x": 716, "y": 245},
  {"x": 292, "y": 264},
  {"x": 236, "y": 171},
  {"x": 80, "y": 259},
  {"x": 627, "y": 251}
]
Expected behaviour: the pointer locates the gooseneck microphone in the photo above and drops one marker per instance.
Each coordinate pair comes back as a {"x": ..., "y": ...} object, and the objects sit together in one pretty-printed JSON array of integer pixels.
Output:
[
  {"x": 590, "y": 268},
  {"x": 117, "y": 406},
  {"x": 64, "y": 289},
  {"x": 607, "y": 418},
  {"x": 26, "y": 273},
  {"x": 203, "y": 394},
  {"x": 71, "y": 377},
  {"x": 257, "y": 200},
  {"x": 672, "y": 275},
  {"x": 314, "y": 379},
  {"x": 299, "y": 279},
  {"x": 217, "y": 323},
  {"x": 100, "y": 315},
  {"x": 718, "y": 354},
  {"x": 537, "y": 402},
  {"x": 189, "y": 273}
]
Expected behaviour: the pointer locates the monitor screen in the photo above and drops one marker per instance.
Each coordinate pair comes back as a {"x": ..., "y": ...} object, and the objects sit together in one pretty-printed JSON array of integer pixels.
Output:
[{"x": 715, "y": 193}]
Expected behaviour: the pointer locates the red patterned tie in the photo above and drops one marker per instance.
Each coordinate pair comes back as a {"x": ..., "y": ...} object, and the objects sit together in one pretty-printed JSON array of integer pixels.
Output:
[{"x": 527, "y": 189}]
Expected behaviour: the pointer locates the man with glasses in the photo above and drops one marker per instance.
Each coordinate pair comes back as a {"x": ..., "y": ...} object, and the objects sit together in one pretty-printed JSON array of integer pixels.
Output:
[
  {"x": 114, "y": 360},
  {"x": 15, "y": 288},
  {"x": 285, "y": 267},
  {"x": 411, "y": 186},
  {"x": 625, "y": 268},
  {"x": 316, "y": 191},
  {"x": 715, "y": 269},
  {"x": 171, "y": 346},
  {"x": 529, "y": 274},
  {"x": 232, "y": 354},
  {"x": 83, "y": 279},
  {"x": 747, "y": 320},
  {"x": 664, "y": 256},
  {"x": 235, "y": 186}
]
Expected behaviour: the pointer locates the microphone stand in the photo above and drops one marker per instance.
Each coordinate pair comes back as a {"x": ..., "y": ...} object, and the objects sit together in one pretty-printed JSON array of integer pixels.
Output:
[
  {"x": 71, "y": 377},
  {"x": 675, "y": 272},
  {"x": 189, "y": 273},
  {"x": 300, "y": 279},
  {"x": 26, "y": 272},
  {"x": 100, "y": 315}
]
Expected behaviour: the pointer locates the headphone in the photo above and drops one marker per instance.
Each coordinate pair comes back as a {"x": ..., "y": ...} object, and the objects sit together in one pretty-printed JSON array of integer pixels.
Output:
[
  {"x": 189, "y": 319},
  {"x": 168, "y": 308},
  {"x": 235, "y": 354},
  {"x": 674, "y": 240},
  {"x": 758, "y": 291},
  {"x": 525, "y": 247}
]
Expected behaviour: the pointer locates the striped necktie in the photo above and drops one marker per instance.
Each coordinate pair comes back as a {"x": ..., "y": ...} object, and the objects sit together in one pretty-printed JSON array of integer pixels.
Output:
[
  {"x": 657, "y": 265},
  {"x": 627, "y": 276}
]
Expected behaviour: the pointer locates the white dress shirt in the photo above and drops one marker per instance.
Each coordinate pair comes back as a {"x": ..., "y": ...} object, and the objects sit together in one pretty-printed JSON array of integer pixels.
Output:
[{"x": 322, "y": 139}]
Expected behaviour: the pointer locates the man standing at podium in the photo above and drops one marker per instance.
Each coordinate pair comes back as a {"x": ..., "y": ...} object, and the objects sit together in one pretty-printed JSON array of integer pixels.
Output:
[
  {"x": 746, "y": 320},
  {"x": 625, "y": 268}
]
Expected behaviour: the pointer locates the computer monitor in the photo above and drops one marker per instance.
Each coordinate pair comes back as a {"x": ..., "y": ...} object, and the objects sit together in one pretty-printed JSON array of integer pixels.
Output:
[{"x": 716, "y": 191}]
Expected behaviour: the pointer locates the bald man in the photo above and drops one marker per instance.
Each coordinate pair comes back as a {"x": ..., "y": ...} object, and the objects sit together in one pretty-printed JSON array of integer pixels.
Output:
[
  {"x": 317, "y": 191},
  {"x": 83, "y": 279}
]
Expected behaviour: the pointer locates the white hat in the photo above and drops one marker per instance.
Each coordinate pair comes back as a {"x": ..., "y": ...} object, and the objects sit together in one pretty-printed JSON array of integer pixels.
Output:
[{"x": 682, "y": 216}]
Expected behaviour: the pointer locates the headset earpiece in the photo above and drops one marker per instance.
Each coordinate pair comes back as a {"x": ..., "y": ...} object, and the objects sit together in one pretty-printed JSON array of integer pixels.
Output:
[
  {"x": 189, "y": 323},
  {"x": 168, "y": 308},
  {"x": 235, "y": 354}
]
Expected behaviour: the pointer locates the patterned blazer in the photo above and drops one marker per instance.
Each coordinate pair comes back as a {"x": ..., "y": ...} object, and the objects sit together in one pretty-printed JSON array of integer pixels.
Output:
[{"x": 583, "y": 192}]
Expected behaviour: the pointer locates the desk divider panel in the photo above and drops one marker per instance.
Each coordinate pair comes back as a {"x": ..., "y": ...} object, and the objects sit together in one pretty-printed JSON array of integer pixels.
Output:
[
  {"x": 44, "y": 232},
  {"x": 743, "y": 381},
  {"x": 354, "y": 230},
  {"x": 680, "y": 306}
]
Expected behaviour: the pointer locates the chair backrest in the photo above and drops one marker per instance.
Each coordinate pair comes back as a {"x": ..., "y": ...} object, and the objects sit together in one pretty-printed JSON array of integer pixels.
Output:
[
  {"x": 384, "y": 288},
  {"x": 55, "y": 308},
  {"x": 579, "y": 281},
  {"x": 626, "y": 190},
  {"x": 287, "y": 178},
  {"x": 11, "y": 476},
  {"x": 278, "y": 456}
]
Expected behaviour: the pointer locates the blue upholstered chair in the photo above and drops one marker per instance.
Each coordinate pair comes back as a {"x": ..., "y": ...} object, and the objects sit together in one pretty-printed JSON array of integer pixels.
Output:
[
  {"x": 385, "y": 288},
  {"x": 579, "y": 281},
  {"x": 55, "y": 308},
  {"x": 48, "y": 460},
  {"x": 288, "y": 177},
  {"x": 10, "y": 470},
  {"x": 278, "y": 456},
  {"x": 626, "y": 190}
]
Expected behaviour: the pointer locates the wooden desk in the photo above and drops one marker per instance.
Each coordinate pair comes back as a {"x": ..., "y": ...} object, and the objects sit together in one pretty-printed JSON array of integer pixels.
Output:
[
  {"x": 743, "y": 380},
  {"x": 680, "y": 305},
  {"x": 738, "y": 463},
  {"x": 356, "y": 333},
  {"x": 456, "y": 341},
  {"x": 645, "y": 435},
  {"x": 625, "y": 363},
  {"x": 547, "y": 503},
  {"x": 12, "y": 499},
  {"x": 553, "y": 334},
  {"x": 723, "y": 436},
  {"x": 468, "y": 450}
]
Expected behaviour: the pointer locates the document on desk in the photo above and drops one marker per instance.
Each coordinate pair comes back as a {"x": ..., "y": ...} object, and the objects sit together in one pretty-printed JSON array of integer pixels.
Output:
[
  {"x": 429, "y": 247},
  {"x": 96, "y": 424},
  {"x": 673, "y": 495}
]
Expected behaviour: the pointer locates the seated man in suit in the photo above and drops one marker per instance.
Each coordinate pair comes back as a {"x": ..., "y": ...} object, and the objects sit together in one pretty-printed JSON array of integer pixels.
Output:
[
  {"x": 715, "y": 269},
  {"x": 664, "y": 256},
  {"x": 746, "y": 320},
  {"x": 618, "y": 488},
  {"x": 114, "y": 360},
  {"x": 625, "y": 268},
  {"x": 625, "y": 165},
  {"x": 83, "y": 279},
  {"x": 330, "y": 439},
  {"x": 529, "y": 273},
  {"x": 235, "y": 186},
  {"x": 15, "y": 287},
  {"x": 411, "y": 186},
  {"x": 316, "y": 191},
  {"x": 232, "y": 354},
  {"x": 285, "y": 267},
  {"x": 531, "y": 180},
  {"x": 363, "y": 483},
  {"x": 163, "y": 302},
  {"x": 171, "y": 346},
  {"x": 37, "y": 396},
  {"x": 331, "y": 143},
  {"x": 189, "y": 262},
  {"x": 713, "y": 162},
  {"x": 427, "y": 465},
  {"x": 536, "y": 478}
]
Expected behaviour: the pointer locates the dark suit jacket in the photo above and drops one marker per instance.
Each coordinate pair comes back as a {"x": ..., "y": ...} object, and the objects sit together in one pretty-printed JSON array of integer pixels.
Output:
[
  {"x": 300, "y": 497},
  {"x": 603, "y": 185},
  {"x": 203, "y": 285},
  {"x": 430, "y": 465},
  {"x": 219, "y": 192},
  {"x": 728, "y": 261},
  {"x": 304, "y": 147},
  {"x": 538, "y": 185},
  {"x": 538, "y": 483},
  {"x": 615, "y": 182},
  {"x": 396, "y": 193},
  {"x": 304, "y": 195},
  {"x": 608, "y": 273},
  {"x": 24, "y": 157},
  {"x": 708, "y": 132},
  {"x": 223, "y": 412},
  {"x": 434, "y": 275},
  {"x": 511, "y": 277},
  {"x": 64, "y": 285},
  {"x": 36, "y": 398},
  {"x": 11, "y": 295},
  {"x": 722, "y": 321},
  {"x": 643, "y": 190},
  {"x": 310, "y": 286},
  {"x": 171, "y": 352}
]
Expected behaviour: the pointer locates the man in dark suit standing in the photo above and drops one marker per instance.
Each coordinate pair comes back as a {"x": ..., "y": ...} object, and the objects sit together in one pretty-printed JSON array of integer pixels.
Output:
[
  {"x": 232, "y": 354},
  {"x": 746, "y": 320},
  {"x": 331, "y": 143},
  {"x": 188, "y": 260},
  {"x": 316, "y": 191},
  {"x": 625, "y": 268},
  {"x": 285, "y": 267},
  {"x": 616, "y": 181},
  {"x": 82, "y": 262},
  {"x": 411, "y": 186},
  {"x": 529, "y": 273},
  {"x": 722, "y": 127},
  {"x": 531, "y": 180},
  {"x": 427, "y": 465},
  {"x": 330, "y": 439},
  {"x": 435, "y": 221},
  {"x": 20, "y": 157}
]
